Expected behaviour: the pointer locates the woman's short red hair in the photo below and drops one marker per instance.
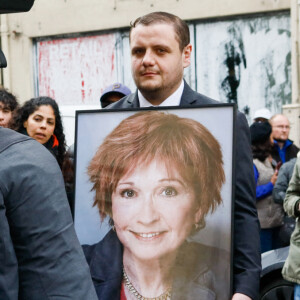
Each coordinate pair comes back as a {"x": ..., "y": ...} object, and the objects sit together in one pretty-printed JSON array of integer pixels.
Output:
[{"x": 178, "y": 142}]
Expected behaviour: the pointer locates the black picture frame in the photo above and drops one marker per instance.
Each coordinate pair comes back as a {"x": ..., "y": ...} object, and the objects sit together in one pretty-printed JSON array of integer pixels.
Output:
[{"x": 92, "y": 126}]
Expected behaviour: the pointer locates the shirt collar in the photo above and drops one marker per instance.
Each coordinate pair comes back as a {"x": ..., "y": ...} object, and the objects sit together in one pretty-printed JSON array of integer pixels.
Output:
[
  {"x": 287, "y": 143},
  {"x": 173, "y": 100}
]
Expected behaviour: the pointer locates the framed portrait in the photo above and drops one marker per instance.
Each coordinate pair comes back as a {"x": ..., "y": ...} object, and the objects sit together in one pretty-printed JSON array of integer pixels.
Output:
[{"x": 155, "y": 186}]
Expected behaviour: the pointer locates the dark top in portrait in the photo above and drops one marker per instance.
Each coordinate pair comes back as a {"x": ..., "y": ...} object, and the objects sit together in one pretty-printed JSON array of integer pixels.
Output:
[{"x": 201, "y": 272}]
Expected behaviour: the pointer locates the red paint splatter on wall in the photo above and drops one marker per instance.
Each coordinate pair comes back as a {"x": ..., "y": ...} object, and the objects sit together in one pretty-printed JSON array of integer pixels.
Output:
[
  {"x": 82, "y": 90},
  {"x": 75, "y": 70},
  {"x": 112, "y": 62}
]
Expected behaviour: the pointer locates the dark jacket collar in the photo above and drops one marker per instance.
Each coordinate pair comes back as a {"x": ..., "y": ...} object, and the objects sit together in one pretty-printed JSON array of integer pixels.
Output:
[
  {"x": 189, "y": 97},
  {"x": 101, "y": 262},
  {"x": 286, "y": 144},
  {"x": 133, "y": 100},
  {"x": 106, "y": 260}
]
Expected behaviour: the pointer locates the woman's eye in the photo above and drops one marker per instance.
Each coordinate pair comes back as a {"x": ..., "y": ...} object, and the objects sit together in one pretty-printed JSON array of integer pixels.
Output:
[
  {"x": 128, "y": 193},
  {"x": 169, "y": 192}
]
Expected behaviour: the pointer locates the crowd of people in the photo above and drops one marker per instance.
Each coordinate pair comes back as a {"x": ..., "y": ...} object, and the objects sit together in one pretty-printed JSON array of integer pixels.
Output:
[
  {"x": 274, "y": 159},
  {"x": 271, "y": 147},
  {"x": 42, "y": 254}
]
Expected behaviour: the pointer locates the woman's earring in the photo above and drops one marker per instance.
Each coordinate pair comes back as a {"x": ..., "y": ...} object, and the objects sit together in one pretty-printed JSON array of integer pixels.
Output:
[
  {"x": 199, "y": 225},
  {"x": 113, "y": 228}
]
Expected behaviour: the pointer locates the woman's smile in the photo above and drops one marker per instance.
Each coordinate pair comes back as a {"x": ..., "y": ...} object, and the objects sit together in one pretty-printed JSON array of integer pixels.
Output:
[{"x": 148, "y": 236}]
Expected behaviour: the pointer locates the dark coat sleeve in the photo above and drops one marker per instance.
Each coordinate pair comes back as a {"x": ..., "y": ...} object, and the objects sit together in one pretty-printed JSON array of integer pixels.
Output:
[
  {"x": 282, "y": 182},
  {"x": 246, "y": 256},
  {"x": 41, "y": 249}
]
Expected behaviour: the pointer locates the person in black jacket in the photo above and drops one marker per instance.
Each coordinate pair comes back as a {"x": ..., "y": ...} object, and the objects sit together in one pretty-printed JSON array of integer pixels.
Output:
[{"x": 160, "y": 50}]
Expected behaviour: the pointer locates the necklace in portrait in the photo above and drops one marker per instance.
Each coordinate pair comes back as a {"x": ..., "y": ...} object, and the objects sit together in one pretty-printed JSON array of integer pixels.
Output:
[{"x": 164, "y": 296}]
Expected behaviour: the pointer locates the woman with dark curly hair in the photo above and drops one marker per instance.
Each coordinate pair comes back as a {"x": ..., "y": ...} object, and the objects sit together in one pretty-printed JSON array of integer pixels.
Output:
[
  {"x": 270, "y": 214},
  {"x": 40, "y": 119},
  {"x": 8, "y": 105}
]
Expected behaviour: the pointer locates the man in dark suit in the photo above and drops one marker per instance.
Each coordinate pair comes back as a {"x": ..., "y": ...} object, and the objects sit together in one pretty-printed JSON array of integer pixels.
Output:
[{"x": 160, "y": 50}]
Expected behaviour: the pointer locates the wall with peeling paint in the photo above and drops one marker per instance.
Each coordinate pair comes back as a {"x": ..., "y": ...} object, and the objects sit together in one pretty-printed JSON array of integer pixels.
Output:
[
  {"x": 75, "y": 70},
  {"x": 90, "y": 15},
  {"x": 246, "y": 61},
  {"x": 59, "y": 17}
]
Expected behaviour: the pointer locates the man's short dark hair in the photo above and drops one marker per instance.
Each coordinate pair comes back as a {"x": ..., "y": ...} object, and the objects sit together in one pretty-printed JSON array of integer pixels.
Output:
[
  {"x": 8, "y": 99},
  {"x": 181, "y": 28}
]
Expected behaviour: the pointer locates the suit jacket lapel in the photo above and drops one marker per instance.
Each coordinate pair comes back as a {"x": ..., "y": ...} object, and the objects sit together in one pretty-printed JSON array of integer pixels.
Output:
[
  {"x": 133, "y": 100},
  {"x": 106, "y": 267},
  {"x": 189, "y": 97}
]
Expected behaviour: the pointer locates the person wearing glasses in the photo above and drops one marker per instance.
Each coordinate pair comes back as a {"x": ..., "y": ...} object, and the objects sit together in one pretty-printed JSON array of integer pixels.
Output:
[{"x": 284, "y": 148}]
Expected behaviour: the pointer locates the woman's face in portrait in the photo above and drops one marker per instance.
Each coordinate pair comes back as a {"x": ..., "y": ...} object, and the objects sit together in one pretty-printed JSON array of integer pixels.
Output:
[
  {"x": 154, "y": 211},
  {"x": 40, "y": 124}
]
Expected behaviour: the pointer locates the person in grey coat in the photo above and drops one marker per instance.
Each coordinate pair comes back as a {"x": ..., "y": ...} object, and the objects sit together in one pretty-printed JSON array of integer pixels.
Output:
[
  {"x": 284, "y": 176},
  {"x": 40, "y": 256},
  {"x": 291, "y": 268},
  {"x": 279, "y": 191}
]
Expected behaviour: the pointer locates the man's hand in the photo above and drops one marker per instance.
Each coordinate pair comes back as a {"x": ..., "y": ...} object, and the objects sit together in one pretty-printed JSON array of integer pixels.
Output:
[{"x": 238, "y": 296}]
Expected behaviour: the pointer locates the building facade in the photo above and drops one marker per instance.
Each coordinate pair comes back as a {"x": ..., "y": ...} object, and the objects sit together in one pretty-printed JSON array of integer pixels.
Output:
[{"x": 245, "y": 52}]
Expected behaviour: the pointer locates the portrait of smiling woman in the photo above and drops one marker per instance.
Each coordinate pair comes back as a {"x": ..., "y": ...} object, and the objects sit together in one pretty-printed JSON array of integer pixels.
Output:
[{"x": 157, "y": 176}]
